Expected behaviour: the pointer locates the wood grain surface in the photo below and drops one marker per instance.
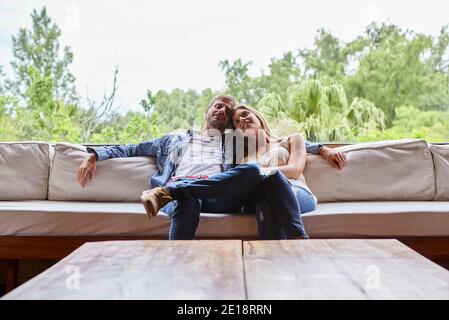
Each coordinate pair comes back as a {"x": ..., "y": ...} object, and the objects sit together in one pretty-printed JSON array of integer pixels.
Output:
[
  {"x": 340, "y": 269},
  {"x": 223, "y": 269},
  {"x": 152, "y": 269}
]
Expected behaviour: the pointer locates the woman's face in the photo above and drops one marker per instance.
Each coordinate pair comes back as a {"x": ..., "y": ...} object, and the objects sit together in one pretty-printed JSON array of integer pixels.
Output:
[{"x": 244, "y": 119}]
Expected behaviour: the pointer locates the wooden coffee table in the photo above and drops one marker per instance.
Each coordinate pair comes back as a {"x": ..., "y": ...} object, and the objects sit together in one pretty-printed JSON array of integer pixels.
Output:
[
  {"x": 232, "y": 269},
  {"x": 341, "y": 269}
]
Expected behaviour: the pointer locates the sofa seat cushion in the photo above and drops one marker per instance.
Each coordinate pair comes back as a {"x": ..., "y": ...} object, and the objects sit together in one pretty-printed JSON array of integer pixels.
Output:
[
  {"x": 24, "y": 168},
  {"x": 383, "y": 219},
  {"x": 64, "y": 218},
  {"x": 345, "y": 219}
]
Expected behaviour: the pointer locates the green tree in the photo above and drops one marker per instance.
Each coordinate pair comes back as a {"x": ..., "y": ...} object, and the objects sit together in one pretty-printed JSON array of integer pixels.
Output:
[
  {"x": 411, "y": 122},
  {"x": 2, "y": 80},
  {"x": 282, "y": 73},
  {"x": 322, "y": 112},
  {"x": 148, "y": 102},
  {"x": 40, "y": 48},
  {"x": 8, "y": 126},
  {"x": 46, "y": 118},
  {"x": 96, "y": 111},
  {"x": 238, "y": 82},
  {"x": 400, "y": 68},
  {"x": 385, "y": 65},
  {"x": 178, "y": 109},
  {"x": 41, "y": 101},
  {"x": 327, "y": 59}
]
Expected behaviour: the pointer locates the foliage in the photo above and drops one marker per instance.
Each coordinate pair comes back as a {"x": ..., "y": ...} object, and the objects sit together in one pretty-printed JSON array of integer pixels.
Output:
[
  {"x": 388, "y": 83},
  {"x": 411, "y": 122},
  {"x": 134, "y": 127},
  {"x": 322, "y": 112},
  {"x": 178, "y": 109},
  {"x": 400, "y": 68},
  {"x": 38, "y": 51},
  {"x": 90, "y": 117}
]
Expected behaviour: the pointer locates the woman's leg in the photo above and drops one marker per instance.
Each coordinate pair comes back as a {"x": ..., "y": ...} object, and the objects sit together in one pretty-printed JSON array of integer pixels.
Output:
[
  {"x": 285, "y": 205},
  {"x": 267, "y": 222},
  {"x": 305, "y": 199}
]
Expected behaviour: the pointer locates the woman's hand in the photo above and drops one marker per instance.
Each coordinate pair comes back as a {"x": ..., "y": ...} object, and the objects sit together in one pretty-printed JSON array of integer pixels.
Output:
[
  {"x": 87, "y": 169},
  {"x": 336, "y": 159}
]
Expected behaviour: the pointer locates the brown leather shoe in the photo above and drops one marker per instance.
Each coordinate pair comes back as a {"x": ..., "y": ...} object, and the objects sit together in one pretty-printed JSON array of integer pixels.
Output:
[{"x": 153, "y": 200}]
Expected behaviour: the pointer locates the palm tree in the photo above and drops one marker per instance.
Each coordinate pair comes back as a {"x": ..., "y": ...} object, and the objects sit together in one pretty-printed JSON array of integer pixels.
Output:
[{"x": 322, "y": 111}]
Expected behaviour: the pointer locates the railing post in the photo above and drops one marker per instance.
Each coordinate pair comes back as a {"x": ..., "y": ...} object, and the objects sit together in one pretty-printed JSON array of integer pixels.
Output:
[{"x": 11, "y": 274}]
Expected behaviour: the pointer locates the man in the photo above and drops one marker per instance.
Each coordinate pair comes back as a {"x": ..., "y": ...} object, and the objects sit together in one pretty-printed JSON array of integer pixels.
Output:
[{"x": 186, "y": 159}]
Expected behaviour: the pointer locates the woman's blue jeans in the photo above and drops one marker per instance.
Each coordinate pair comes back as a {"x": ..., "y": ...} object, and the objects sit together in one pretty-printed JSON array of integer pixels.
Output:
[{"x": 279, "y": 208}]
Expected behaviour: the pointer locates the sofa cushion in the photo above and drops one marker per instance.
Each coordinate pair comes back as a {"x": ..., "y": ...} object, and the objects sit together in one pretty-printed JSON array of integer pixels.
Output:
[
  {"x": 344, "y": 219},
  {"x": 385, "y": 171},
  {"x": 119, "y": 179},
  {"x": 24, "y": 168},
  {"x": 441, "y": 160},
  {"x": 70, "y": 218},
  {"x": 379, "y": 219}
]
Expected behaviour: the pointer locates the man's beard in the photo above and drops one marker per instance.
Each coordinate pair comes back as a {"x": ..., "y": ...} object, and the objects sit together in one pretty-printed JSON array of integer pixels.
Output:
[{"x": 217, "y": 124}]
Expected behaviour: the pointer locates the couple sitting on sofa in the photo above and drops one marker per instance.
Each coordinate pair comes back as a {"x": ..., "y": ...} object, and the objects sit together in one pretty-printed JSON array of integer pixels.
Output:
[{"x": 209, "y": 172}]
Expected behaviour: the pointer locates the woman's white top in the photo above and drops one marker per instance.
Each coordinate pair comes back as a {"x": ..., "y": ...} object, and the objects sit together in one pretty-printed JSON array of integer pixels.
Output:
[{"x": 278, "y": 155}]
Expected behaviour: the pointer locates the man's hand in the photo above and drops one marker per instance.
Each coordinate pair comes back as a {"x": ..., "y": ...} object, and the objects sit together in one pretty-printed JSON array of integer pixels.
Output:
[
  {"x": 336, "y": 159},
  {"x": 87, "y": 169}
]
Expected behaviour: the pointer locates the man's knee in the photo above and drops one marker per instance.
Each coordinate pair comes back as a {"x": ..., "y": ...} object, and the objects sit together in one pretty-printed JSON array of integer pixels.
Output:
[
  {"x": 252, "y": 171},
  {"x": 272, "y": 182}
]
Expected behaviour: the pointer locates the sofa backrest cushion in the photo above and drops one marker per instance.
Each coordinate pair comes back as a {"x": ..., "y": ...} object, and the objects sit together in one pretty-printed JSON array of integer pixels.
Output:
[
  {"x": 441, "y": 160},
  {"x": 118, "y": 179},
  {"x": 386, "y": 170},
  {"x": 24, "y": 168}
]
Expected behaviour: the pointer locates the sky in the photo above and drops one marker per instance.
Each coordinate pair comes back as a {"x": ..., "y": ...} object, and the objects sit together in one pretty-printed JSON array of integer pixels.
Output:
[{"x": 163, "y": 45}]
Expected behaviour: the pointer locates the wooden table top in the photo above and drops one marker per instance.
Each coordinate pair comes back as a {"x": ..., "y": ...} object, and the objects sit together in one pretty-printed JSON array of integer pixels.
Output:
[
  {"x": 341, "y": 269},
  {"x": 230, "y": 269},
  {"x": 154, "y": 269}
]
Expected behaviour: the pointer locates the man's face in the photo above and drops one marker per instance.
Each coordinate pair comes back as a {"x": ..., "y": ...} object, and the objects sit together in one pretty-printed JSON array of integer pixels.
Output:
[{"x": 219, "y": 114}]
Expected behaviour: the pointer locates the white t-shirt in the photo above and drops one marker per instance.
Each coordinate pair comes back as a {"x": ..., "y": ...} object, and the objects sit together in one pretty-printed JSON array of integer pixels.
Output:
[{"x": 202, "y": 157}]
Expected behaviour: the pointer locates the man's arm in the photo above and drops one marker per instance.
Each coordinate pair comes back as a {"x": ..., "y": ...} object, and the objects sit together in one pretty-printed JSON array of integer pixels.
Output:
[
  {"x": 313, "y": 148},
  {"x": 148, "y": 148},
  {"x": 335, "y": 158},
  {"x": 87, "y": 169},
  {"x": 89, "y": 165}
]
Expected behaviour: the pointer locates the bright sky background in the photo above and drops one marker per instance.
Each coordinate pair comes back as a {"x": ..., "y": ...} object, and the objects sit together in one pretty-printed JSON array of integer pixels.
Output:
[{"x": 177, "y": 44}]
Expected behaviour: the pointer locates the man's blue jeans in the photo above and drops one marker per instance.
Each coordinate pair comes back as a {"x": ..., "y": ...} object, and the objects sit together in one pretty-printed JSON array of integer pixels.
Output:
[
  {"x": 279, "y": 208},
  {"x": 227, "y": 192}
]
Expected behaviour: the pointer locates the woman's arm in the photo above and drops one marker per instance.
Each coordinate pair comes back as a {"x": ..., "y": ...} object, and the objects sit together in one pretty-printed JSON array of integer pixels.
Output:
[{"x": 297, "y": 158}]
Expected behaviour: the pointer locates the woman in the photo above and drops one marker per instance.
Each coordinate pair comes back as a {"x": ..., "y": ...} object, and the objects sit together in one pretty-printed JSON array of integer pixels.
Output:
[{"x": 285, "y": 192}]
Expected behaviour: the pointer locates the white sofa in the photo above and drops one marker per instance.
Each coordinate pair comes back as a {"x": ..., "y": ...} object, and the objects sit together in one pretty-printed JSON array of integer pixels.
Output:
[{"x": 389, "y": 189}]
